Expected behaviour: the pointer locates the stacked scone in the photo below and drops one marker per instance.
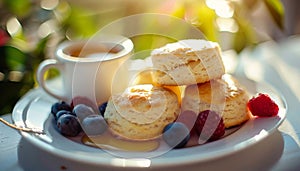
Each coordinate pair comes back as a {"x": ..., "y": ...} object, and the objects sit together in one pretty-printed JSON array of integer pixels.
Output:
[
  {"x": 187, "y": 62},
  {"x": 198, "y": 65},
  {"x": 143, "y": 111},
  {"x": 223, "y": 95}
]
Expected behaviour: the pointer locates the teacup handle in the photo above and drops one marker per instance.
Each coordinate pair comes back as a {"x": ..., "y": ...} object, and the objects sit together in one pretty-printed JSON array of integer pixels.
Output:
[{"x": 45, "y": 66}]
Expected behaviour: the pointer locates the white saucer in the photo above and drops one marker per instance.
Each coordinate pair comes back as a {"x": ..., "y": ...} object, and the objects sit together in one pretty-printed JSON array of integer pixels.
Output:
[{"x": 33, "y": 110}]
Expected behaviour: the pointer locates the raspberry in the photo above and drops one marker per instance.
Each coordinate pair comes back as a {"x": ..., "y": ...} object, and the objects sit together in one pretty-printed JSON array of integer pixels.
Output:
[
  {"x": 263, "y": 106},
  {"x": 210, "y": 132}
]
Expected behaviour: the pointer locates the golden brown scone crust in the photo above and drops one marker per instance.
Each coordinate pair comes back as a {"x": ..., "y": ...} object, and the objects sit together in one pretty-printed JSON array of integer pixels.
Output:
[
  {"x": 225, "y": 95},
  {"x": 141, "y": 112},
  {"x": 187, "y": 62}
]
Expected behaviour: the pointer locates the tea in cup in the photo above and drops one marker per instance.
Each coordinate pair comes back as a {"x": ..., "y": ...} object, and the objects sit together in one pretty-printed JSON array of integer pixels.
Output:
[{"x": 95, "y": 68}]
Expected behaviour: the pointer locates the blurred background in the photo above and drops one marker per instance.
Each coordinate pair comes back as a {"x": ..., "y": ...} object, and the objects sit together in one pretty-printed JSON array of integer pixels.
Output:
[{"x": 31, "y": 29}]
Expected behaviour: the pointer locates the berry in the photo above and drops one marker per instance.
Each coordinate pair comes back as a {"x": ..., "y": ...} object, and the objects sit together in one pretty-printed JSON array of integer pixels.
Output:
[
  {"x": 188, "y": 118},
  {"x": 68, "y": 125},
  {"x": 82, "y": 111},
  {"x": 102, "y": 108},
  {"x": 263, "y": 105},
  {"x": 84, "y": 100},
  {"x": 209, "y": 125},
  {"x": 63, "y": 112},
  {"x": 94, "y": 125},
  {"x": 176, "y": 135},
  {"x": 60, "y": 106}
]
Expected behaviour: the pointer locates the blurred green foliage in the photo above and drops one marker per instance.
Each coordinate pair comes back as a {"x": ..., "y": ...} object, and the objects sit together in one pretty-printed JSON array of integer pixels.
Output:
[{"x": 29, "y": 28}]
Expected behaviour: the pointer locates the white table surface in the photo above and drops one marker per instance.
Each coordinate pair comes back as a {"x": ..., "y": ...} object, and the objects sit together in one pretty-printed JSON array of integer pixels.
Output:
[{"x": 277, "y": 64}]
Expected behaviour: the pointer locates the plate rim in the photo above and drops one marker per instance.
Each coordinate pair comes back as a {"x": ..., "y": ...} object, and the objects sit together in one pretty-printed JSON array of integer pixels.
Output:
[{"x": 161, "y": 162}]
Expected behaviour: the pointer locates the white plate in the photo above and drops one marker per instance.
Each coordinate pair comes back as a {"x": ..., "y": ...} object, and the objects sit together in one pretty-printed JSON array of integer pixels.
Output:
[{"x": 33, "y": 110}]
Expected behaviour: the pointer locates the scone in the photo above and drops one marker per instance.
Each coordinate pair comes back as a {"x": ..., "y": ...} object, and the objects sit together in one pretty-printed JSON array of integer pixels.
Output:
[
  {"x": 141, "y": 112},
  {"x": 187, "y": 62},
  {"x": 225, "y": 95}
]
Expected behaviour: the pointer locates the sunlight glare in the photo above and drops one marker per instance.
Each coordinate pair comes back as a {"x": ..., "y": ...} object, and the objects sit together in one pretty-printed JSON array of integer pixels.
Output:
[
  {"x": 46, "y": 28},
  {"x": 49, "y": 4},
  {"x": 131, "y": 162},
  {"x": 223, "y": 8},
  {"x": 13, "y": 26},
  {"x": 227, "y": 24},
  {"x": 15, "y": 76},
  {"x": 1, "y": 76}
]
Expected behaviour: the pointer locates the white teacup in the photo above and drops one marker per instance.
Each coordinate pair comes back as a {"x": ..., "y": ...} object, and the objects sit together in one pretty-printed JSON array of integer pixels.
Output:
[{"x": 94, "y": 69}]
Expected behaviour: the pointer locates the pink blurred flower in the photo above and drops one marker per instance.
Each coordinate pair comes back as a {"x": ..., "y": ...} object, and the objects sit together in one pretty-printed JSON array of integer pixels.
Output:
[{"x": 3, "y": 37}]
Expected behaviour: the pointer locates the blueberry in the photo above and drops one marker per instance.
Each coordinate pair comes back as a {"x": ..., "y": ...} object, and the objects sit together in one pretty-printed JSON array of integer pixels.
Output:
[
  {"x": 94, "y": 125},
  {"x": 60, "y": 106},
  {"x": 82, "y": 111},
  {"x": 176, "y": 135},
  {"x": 63, "y": 112},
  {"x": 68, "y": 125},
  {"x": 84, "y": 100},
  {"x": 102, "y": 108}
]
